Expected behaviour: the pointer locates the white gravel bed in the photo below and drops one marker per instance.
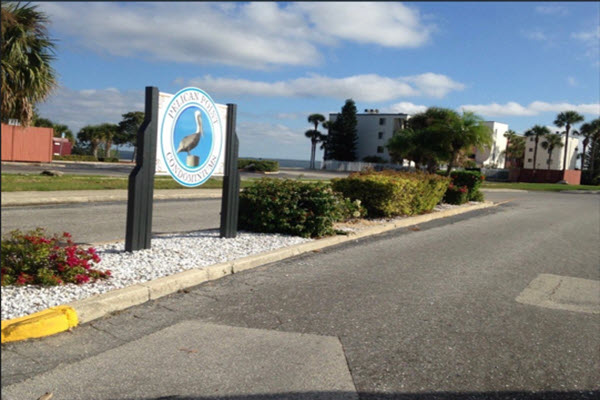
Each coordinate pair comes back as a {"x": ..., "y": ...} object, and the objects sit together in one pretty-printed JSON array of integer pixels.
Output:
[{"x": 169, "y": 255}]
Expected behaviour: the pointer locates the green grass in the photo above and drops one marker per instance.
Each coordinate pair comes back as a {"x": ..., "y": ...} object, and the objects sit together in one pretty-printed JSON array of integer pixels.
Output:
[
  {"x": 549, "y": 187},
  {"x": 44, "y": 183},
  {"x": 30, "y": 182}
]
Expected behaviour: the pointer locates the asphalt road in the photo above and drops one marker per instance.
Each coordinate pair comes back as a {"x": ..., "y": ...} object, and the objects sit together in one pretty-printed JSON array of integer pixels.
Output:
[
  {"x": 421, "y": 313},
  {"x": 103, "y": 222},
  {"x": 124, "y": 169}
]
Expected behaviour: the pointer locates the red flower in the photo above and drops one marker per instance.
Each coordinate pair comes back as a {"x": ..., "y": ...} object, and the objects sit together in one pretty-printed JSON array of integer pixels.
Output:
[{"x": 80, "y": 278}]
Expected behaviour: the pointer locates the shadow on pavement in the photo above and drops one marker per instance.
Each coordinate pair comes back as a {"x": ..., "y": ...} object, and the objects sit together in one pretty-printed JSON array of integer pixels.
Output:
[{"x": 509, "y": 395}]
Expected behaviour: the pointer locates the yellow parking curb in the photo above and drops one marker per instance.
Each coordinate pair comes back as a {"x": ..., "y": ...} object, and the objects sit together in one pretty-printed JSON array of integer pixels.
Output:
[{"x": 41, "y": 324}]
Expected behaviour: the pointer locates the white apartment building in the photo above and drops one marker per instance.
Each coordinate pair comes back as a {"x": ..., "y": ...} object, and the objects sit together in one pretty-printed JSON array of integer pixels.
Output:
[
  {"x": 493, "y": 156},
  {"x": 374, "y": 130},
  {"x": 556, "y": 158}
]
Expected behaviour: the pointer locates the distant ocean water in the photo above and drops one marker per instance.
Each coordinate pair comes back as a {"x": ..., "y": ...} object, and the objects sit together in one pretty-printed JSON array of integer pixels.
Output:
[{"x": 283, "y": 163}]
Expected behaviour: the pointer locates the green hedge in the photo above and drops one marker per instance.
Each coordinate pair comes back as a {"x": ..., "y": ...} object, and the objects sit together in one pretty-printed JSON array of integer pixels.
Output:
[
  {"x": 472, "y": 180},
  {"x": 258, "y": 165},
  {"x": 293, "y": 207},
  {"x": 391, "y": 193}
]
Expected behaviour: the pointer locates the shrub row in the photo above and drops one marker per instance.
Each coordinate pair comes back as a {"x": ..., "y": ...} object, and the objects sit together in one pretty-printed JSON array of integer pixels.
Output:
[
  {"x": 393, "y": 193},
  {"x": 258, "y": 165},
  {"x": 35, "y": 258},
  {"x": 293, "y": 207}
]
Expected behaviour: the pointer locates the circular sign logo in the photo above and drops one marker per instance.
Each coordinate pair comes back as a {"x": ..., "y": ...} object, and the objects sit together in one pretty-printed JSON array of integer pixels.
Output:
[{"x": 191, "y": 136}]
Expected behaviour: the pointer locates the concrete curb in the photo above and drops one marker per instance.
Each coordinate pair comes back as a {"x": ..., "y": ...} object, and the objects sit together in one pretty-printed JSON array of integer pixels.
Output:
[{"x": 82, "y": 311}]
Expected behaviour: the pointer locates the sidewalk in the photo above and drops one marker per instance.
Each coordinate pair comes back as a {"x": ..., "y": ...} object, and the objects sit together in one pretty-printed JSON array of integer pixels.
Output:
[{"x": 88, "y": 196}]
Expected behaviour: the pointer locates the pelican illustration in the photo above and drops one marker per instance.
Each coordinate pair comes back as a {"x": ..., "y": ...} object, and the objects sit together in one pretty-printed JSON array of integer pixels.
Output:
[{"x": 189, "y": 142}]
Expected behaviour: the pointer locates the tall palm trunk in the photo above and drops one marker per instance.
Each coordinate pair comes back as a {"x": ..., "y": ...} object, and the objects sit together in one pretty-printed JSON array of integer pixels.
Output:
[
  {"x": 593, "y": 156},
  {"x": 549, "y": 157},
  {"x": 535, "y": 152},
  {"x": 585, "y": 144},
  {"x": 313, "y": 150},
  {"x": 567, "y": 128},
  {"x": 451, "y": 162}
]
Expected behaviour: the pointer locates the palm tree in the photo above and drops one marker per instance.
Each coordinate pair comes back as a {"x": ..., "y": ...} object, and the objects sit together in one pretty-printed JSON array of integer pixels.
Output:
[
  {"x": 552, "y": 141},
  {"x": 108, "y": 132},
  {"x": 567, "y": 119},
  {"x": 594, "y": 142},
  {"x": 588, "y": 130},
  {"x": 510, "y": 136},
  {"x": 27, "y": 50},
  {"x": 463, "y": 132},
  {"x": 537, "y": 131},
  {"x": 315, "y": 138},
  {"x": 92, "y": 135},
  {"x": 314, "y": 135}
]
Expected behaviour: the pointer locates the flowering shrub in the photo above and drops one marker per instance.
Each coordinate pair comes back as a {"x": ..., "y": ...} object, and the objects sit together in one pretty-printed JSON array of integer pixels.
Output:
[
  {"x": 472, "y": 180},
  {"x": 35, "y": 259},
  {"x": 293, "y": 207},
  {"x": 456, "y": 194}
]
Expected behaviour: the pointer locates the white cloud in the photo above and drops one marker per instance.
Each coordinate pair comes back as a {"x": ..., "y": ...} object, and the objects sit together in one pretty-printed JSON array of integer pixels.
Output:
[
  {"x": 77, "y": 108},
  {"x": 592, "y": 36},
  {"x": 535, "y": 35},
  {"x": 405, "y": 108},
  {"x": 368, "y": 87},
  {"x": 591, "y": 40},
  {"x": 534, "y": 108},
  {"x": 385, "y": 24},
  {"x": 552, "y": 10},
  {"x": 251, "y": 35}
]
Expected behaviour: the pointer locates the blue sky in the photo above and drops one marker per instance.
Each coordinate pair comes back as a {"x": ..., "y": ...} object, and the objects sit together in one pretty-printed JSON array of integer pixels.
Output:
[{"x": 516, "y": 63}]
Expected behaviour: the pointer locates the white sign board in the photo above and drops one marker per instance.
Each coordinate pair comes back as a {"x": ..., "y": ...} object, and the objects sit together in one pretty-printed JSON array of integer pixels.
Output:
[{"x": 191, "y": 137}]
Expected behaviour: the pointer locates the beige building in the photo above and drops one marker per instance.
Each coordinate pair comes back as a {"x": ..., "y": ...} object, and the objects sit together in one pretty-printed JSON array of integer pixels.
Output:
[{"x": 556, "y": 158}]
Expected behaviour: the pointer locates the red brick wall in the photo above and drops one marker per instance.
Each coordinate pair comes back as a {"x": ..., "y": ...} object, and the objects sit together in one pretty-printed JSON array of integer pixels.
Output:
[
  {"x": 26, "y": 144},
  {"x": 572, "y": 177}
]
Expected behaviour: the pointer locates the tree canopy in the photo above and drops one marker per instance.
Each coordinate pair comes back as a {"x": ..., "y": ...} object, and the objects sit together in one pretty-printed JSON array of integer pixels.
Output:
[
  {"x": 27, "y": 51},
  {"x": 438, "y": 135},
  {"x": 341, "y": 142}
]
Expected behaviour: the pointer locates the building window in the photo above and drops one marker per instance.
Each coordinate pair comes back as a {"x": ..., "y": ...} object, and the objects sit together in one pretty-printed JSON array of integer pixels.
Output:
[
  {"x": 529, "y": 160},
  {"x": 379, "y": 149},
  {"x": 381, "y": 121},
  {"x": 531, "y": 139},
  {"x": 380, "y": 135},
  {"x": 530, "y": 149}
]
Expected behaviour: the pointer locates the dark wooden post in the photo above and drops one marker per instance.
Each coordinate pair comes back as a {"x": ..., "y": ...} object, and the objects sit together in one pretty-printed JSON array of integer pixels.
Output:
[
  {"x": 141, "y": 180},
  {"x": 231, "y": 179}
]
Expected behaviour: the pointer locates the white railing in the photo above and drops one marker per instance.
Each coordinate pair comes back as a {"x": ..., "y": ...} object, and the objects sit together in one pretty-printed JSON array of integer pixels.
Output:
[{"x": 356, "y": 166}]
